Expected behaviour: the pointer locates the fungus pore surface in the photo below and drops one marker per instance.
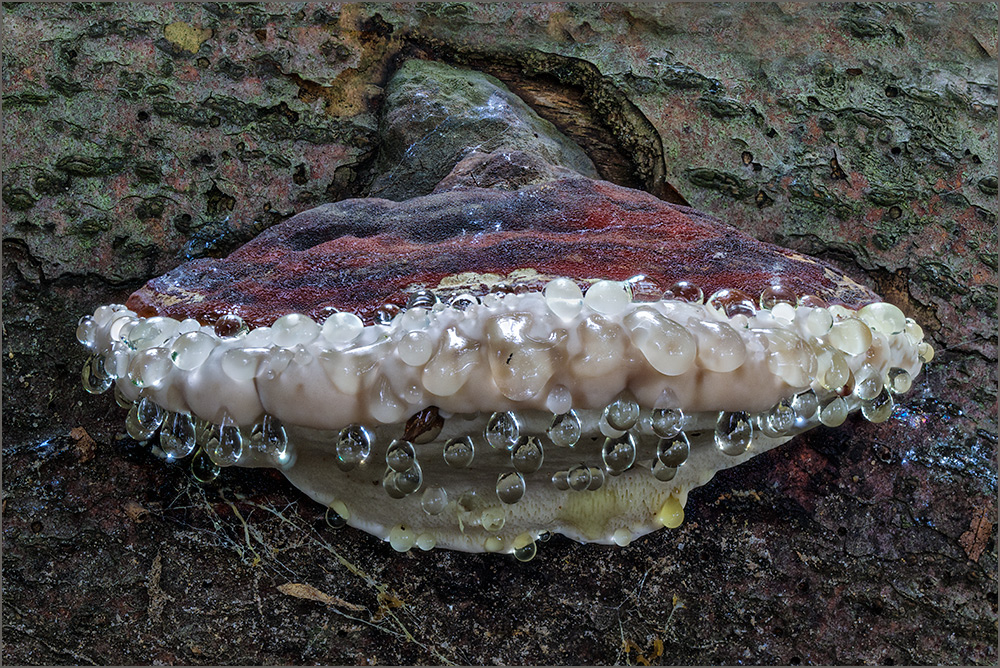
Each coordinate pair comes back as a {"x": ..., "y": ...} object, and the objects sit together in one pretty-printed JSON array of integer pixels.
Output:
[{"x": 475, "y": 368}]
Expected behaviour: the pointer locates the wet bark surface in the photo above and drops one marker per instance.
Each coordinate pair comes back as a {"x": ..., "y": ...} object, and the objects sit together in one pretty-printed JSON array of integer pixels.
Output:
[{"x": 139, "y": 136}]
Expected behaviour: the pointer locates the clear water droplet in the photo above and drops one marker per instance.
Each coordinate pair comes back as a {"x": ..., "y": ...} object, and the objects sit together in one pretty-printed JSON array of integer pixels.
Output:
[
  {"x": 619, "y": 453},
  {"x": 354, "y": 445},
  {"x": 565, "y": 430},
  {"x": 527, "y": 455},
  {"x": 95, "y": 378},
  {"x": 225, "y": 446},
  {"x": 434, "y": 500},
  {"x": 230, "y": 326},
  {"x": 685, "y": 291},
  {"x": 561, "y": 480},
  {"x": 673, "y": 451},
  {"x": 421, "y": 299},
  {"x": 335, "y": 520},
  {"x": 777, "y": 294},
  {"x": 733, "y": 432},
  {"x": 190, "y": 350},
  {"x": 510, "y": 487},
  {"x": 880, "y": 408},
  {"x": 121, "y": 399},
  {"x": 597, "y": 478},
  {"x": 459, "y": 452},
  {"x": 578, "y": 477},
  {"x": 502, "y": 430},
  {"x": 780, "y": 418},
  {"x": 668, "y": 422},
  {"x": 805, "y": 404},
  {"x": 86, "y": 332},
  {"x": 662, "y": 472},
  {"x": 143, "y": 419},
  {"x": 400, "y": 456},
  {"x": 269, "y": 437},
  {"x": 203, "y": 468},
  {"x": 898, "y": 380},
  {"x": 526, "y": 552},
  {"x": 177, "y": 436},
  {"x": 410, "y": 480},
  {"x": 622, "y": 413},
  {"x": 389, "y": 484},
  {"x": 463, "y": 301}
]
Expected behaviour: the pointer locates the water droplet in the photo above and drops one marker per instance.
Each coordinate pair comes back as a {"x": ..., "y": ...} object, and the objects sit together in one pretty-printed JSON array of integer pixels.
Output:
[
  {"x": 867, "y": 383},
  {"x": 673, "y": 451},
  {"x": 121, "y": 399},
  {"x": 565, "y": 429},
  {"x": 94, "y": 376},
  {"x": 240, "y": 364},
  {"x": 898, "y": 380},
  {"x": 777, "y": 294},
  {"x": 493, "y": 519},
  {"x": 883, "y": 317},
  {"x": 878, "y": 409},
  {"x": 150, "y": 367},
  {"x": 121, "y": 326},
  {"x": 190, "y": 350},
  {"x": 334, "y": 517},
  {"x": 685, "y": 291},
  {"x": 293, "y": 329},
  {"x": 925, "y": 352},
  {"x": 354, "y": 444},
  {"x": 818, "y": 322},
  {"x": 510, "y": 487},
  {"x": 463, "y": 301},
  {"x": 805, "y": 404},
  {"x": 230, "y": 326},
  {"x": 270, "y": 438},
  {"x": 578, "y": 477},
  {"x": 564, "y": 298},
  {"x": 619, "y": 453},
  {"x": 225, "y": 446},
  {"x": 410, "y": 480},
  {"x": 527, "y": 455},
  {"x": 502, "y": 430},
  {"x": 177, "y": 436},
  {"x": 622, "y": 537},
  {"x": 144, "y": 418},
  {"x": 385, "y": 313},
  {"x": 525, "y": 550},
  {"x": 401, "y": 539},
  {"x": 459, "y": 452},
  {"x": 544, "y": 537},
  {"x": 203, "y": 468},
  {"x": 86, "y": 332},
  {"x": 421, "y": 299},
  {"x": 434, "y": 500},
  {"x": 559, "y": 400},
  {"x": 389, "y": 484},
  {"x": 596, "y": 478},
  {"x": 608, "y": 297},
  {"x": 400, "y": 456},
  {"x": 834, "y": 413},
  {"x": 668, "y": 422},
  {"x": 561, "y": 480},
  {"x": 731, "y": 302},
  {"x": 780, "y": 418},
  {"x": 662, "y": 472},
  {"x": 850, "y": 336},
  {"x": 733, "y": 432},
  {"x": 342, "y": 328},
  {"x": 622, "y": 413}
]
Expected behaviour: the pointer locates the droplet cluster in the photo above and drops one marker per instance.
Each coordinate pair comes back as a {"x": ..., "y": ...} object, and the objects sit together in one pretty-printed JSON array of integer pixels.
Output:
[{"x": 569, "y": 389}]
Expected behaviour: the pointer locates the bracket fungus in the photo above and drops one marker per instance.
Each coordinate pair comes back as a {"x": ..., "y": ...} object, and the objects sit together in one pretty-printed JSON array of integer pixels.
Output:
[{"x": 474, "y": 368}]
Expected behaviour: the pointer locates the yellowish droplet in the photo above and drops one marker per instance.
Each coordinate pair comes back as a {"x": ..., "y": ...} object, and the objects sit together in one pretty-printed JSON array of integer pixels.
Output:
[{"x": 671, "y": 514}]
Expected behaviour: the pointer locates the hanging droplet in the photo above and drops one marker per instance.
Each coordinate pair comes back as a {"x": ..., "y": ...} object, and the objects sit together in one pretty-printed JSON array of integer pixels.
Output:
[
  {"x": 578, "y": 477},
  {"x": 661, "y": 472},
  {"x": 525, "y": 548},
  {"x": 385, "y": 313},
  {"x": 527, "y": 455},
  {"x": 502, "y": 430},
  {"x": 95, "y": 378},
  {"x": 225, "y": 446},
  {"x": 668, "y": 422},
  {"x": 143, "y": 419},
  {"x": 177, "y": 436},
  {"x": 149, "y": 367},
  {"x": 622, "y": 413},
  {"x": 834, "y": 413},
  {"x": 805, "y": 404},
  {"x": 878, "y": 409},
  {"x": 780, "y": 418},
  {"x": 925, "y": 352},
  {"x": 203, "y": 468},
  {"x": 685, "y": 291},
  {"x": 561, "y": 480},
  {"x": 86, "y": 332},
  {"x": 434, "y": 500},
  {"x": 867, "y": 383},
  {"x": 673, "y": 451},
  {"x": 400, "y": 456},
  {"x": 619, "y": 453},
  {"x": 337, "y": 515},
  {"x": 733, "y": 432},
  {"x": 421, "y": 299},
  {"x": 565, "y": 429},
  {"x": 230, "y": 326},
  {"x": 389, "y": 484},
  {"x": 121, "y": 399},
  {"x": 354, "y": 444},
  {"x": 459, "y": 452},
  {"x": 898, "y": 380},
  {"x": 510, "y": 487},
  {"x": 596, "y": 478},
  {"x": 410, "y": 480},
  {"x": 270, "y": 438}
]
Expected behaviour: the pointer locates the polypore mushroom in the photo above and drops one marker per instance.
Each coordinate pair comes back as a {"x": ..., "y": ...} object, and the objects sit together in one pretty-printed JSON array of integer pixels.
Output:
[{"x": 476, "y": 367}]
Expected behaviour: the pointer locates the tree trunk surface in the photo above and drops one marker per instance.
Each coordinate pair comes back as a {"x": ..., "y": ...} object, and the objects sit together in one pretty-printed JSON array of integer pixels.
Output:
[{"x": 138, "y": 136}]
